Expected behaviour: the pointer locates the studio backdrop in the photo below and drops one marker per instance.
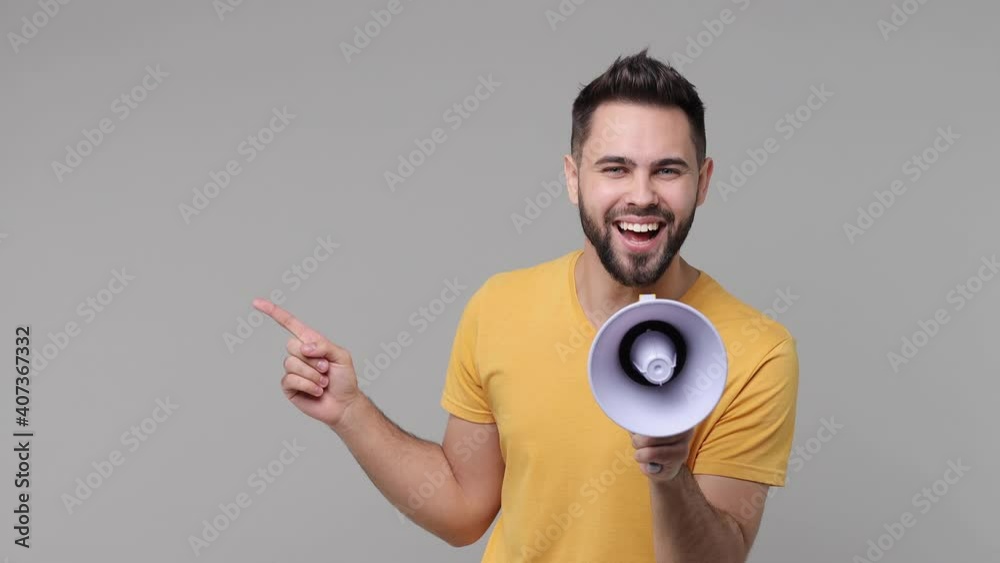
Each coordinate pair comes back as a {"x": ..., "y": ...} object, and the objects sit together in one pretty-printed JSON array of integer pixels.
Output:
[{"x": 373, "y": 163}]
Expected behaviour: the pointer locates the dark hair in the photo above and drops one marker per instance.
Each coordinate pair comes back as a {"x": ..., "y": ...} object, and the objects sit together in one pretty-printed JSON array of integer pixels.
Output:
[{"x": 644, "y": 80}]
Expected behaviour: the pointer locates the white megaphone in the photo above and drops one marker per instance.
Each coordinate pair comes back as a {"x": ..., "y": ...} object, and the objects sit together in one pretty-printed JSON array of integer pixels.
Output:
[{"x": 657, "y": 367}]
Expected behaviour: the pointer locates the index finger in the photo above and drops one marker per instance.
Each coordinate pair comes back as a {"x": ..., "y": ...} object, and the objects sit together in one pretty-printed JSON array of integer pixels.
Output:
[{"x": 286, "y": 319}]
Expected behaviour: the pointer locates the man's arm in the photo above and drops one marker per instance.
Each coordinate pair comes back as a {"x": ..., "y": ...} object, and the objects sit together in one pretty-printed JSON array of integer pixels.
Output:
[
  {"x": 697, "y": 518},
  {"x": 451, "y": 490},
  {"x": 715, "y": 515},
  {"x": 705, "y": 518}
]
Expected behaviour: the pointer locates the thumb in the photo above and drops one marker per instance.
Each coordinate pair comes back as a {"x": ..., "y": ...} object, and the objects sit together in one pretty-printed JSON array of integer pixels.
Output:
[{"x": 325, "y": 349}]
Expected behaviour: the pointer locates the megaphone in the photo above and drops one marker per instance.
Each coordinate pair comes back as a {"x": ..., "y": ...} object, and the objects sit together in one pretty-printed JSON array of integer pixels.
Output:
[{"x": 657, "y": 367}]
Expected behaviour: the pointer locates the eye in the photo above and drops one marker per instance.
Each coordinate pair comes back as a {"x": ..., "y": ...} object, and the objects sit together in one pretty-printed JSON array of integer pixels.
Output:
[
  {"x": 614, "y": 169},
  {"x": 670, "y": 170}
]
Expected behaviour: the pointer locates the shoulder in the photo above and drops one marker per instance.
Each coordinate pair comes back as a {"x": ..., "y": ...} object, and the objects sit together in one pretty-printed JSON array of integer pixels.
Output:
[
  {"x": 749, "y": 333},
  {"x": 529, "y": 281},
  {"x": 512, "y": 297}
]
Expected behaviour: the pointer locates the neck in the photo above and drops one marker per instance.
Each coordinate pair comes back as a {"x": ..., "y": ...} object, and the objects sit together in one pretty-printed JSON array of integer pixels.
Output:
[{"x": 601, "y": 295}]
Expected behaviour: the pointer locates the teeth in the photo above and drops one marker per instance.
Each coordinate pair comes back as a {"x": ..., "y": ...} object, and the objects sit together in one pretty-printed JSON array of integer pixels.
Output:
[{"x": 639, "y": 228}]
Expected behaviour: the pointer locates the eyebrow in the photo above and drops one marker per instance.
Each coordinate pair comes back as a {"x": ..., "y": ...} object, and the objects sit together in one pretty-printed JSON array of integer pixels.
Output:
[{"x": 626, "y": 161}]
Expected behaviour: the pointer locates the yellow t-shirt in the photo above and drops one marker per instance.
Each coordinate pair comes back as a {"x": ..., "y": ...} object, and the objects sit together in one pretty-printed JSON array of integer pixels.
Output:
[{"x": 572, "y": 491}]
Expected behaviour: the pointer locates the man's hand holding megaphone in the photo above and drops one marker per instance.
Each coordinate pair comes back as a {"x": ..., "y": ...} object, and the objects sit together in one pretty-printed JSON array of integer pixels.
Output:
[
  {"x": 661, "y": 458},
  {"x": 658, "y": 368}
]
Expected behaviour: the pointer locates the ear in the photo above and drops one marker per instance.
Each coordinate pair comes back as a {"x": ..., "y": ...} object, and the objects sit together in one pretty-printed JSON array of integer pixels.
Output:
[
  {"x": 704, "y": 178},
  {"x": 572, "y": 180}
]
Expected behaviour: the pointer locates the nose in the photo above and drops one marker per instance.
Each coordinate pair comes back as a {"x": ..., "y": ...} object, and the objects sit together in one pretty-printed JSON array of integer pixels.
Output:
[{"x": 641, "y": 193}]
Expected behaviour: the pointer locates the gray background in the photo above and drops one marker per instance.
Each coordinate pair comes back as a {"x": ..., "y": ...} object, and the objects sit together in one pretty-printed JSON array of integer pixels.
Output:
[{"x": 323, "y": 176}]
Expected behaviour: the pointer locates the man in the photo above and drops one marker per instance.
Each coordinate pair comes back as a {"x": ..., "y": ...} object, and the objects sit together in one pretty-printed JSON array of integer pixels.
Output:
[{"x": 524, "y": 432}]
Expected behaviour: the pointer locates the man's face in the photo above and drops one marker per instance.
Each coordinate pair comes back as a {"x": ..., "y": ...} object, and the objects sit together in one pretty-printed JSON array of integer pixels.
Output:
[{"x": 637, "y": 187}]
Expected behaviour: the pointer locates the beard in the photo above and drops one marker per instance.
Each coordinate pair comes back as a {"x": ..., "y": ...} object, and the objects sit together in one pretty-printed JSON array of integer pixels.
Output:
[{"x": 635, "y": 270}]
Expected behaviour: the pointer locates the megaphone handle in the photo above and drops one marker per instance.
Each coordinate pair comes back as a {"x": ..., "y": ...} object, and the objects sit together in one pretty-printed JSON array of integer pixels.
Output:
[{"x": 654, "y": 467}]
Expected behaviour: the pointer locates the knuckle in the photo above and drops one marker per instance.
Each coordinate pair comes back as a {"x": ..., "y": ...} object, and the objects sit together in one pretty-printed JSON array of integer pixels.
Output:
[{"x": 289, "y": 363}]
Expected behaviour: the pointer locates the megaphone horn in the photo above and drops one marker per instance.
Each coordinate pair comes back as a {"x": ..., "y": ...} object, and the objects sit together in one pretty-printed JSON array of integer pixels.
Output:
[{"x": 645, "y": 364}]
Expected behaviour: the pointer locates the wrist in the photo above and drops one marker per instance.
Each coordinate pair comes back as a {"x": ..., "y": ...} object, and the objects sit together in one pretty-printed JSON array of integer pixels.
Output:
[
  {"x": 353, "y": 412},
  {"x": 670, "y": 482}
]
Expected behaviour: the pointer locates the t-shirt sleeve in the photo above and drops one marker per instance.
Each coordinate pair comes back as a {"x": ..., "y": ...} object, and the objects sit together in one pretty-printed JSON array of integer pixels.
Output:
[
  {"x": 463, "y": 394},
  {"x": 753, "y": 438}
]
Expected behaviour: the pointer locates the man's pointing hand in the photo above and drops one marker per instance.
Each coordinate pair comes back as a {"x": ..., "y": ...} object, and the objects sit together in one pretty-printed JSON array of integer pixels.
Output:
[{"x": 319, "y": 375}]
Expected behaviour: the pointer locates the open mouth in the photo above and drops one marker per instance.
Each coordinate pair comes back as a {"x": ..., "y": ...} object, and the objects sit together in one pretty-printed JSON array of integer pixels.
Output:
[{"x": 639, "y": 235}]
